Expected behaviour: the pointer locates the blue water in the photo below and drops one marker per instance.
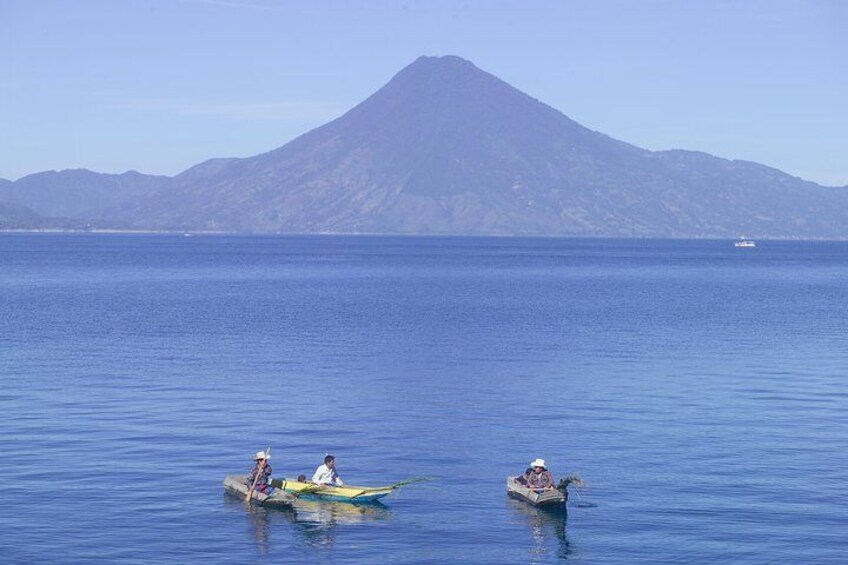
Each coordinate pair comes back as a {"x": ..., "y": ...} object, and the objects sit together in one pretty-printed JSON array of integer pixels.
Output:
[{"x": 699, "y": 389}]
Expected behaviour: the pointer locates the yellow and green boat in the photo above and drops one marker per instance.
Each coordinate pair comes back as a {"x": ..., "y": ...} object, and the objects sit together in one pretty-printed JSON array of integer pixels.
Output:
[{"x": 346, "y": 493}]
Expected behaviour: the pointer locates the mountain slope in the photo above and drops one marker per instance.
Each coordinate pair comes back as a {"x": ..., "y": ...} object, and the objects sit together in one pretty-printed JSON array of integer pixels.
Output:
[{"x": 444, "y": 148}]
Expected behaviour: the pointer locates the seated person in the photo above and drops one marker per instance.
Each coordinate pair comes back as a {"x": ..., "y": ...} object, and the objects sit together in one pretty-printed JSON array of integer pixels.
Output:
[
  {"x": 261, "y": 473},
  {"x": 326, "y": 474},
  {"x": 301, "y": 478},
  {"x": 525, "y": 478},
  {"x": 540, "y": 478}
]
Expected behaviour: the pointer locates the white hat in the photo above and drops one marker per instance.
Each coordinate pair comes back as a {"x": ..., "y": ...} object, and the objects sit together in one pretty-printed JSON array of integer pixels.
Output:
[
  {"x": 261, "y": 455},
  {"x": 538, "y": 463}
]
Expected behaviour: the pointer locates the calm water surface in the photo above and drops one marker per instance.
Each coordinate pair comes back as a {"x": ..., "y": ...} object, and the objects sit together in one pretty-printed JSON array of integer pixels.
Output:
[{"x": 700, "y": 389}]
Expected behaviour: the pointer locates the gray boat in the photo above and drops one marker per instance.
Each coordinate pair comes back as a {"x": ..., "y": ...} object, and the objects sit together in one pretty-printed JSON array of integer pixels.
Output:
[
  {"x": 236, "y": 485},
  {"x": 548, "y": 498}
]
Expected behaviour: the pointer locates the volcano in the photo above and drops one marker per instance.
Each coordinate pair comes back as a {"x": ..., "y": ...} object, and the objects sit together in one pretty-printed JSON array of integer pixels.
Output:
[{"x": 446, "y": 148}]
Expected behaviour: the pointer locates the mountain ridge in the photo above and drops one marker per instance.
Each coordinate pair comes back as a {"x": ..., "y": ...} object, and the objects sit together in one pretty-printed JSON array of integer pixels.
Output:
[{"x": 447, "y": 148}]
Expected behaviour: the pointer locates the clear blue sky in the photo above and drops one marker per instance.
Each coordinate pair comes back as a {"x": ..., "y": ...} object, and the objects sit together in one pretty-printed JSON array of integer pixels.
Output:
[{"x": 160, "y": 85}]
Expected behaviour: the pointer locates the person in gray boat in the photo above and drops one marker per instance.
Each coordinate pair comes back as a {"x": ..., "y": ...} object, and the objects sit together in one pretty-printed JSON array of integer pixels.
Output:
[
  {"x": 540, "y": 478},
  {"x": 326, "y": 474},
  {"x": 525, "y": 478},
  {"x": 262, "y": 470}
]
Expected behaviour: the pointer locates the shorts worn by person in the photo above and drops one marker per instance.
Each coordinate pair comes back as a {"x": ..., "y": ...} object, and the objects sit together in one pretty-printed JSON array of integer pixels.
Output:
[
  {"x": 326, "y": 474},
  {"x": 262, "y": 470}
]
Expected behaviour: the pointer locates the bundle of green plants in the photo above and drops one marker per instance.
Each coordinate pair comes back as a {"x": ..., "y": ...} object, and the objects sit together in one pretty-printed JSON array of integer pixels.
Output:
[{"x": 572, "y": 479}]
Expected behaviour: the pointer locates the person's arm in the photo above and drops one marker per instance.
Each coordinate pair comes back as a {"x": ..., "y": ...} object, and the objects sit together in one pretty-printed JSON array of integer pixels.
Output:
[{"x": 318, "y": 477}]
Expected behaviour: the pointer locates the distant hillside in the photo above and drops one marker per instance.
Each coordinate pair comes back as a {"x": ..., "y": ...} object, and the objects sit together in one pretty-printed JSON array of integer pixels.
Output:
[
  {"x": 447, "y": 148},
  {"x": 79, "y": 193},
  {"x": 14, "y": 216},
  {"x": 17, "y": 217}
]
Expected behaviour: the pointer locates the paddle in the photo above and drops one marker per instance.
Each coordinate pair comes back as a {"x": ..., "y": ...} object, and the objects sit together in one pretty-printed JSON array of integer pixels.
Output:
[
  {"x": 392, "y": 486},
  {"x": 259, "y": 472},
  {"x": 410, "y": 481}
]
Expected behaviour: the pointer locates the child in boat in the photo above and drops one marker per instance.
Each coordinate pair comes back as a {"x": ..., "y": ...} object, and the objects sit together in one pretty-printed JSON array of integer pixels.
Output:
[
  {"x": 262, "y": 469},
  {"x": 525, "y": 478},
  {"x": 326, "y": 474},
  {"x": 540, "y": 478}
]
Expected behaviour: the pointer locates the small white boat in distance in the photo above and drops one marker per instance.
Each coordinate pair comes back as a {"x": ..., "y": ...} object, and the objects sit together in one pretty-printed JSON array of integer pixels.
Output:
[{"x": 745, "y": 243}]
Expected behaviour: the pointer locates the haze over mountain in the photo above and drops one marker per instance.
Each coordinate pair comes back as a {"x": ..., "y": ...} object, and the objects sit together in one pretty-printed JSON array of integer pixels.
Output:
[{"x": 447, "y": 148}]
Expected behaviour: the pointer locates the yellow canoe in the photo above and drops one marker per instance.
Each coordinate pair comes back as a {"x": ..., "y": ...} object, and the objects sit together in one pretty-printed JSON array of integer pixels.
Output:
[{"x": 346, "y": 493}]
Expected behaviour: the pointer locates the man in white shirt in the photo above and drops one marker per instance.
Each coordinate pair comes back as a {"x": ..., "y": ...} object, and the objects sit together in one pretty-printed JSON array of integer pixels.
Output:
[{"x": 326, "y": 473}]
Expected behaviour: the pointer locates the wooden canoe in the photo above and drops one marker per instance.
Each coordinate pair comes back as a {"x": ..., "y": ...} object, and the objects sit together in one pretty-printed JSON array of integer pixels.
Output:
[
  {"x": 548, "y": 498},
  {"x": 237, "y": 486},
  {"x": 346, "y": 493}
]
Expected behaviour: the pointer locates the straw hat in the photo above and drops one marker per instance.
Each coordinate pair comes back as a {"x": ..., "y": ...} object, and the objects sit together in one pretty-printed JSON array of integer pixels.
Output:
[
  {"x": 538, "y": 463},
  {"x": 261, "y": 455}
]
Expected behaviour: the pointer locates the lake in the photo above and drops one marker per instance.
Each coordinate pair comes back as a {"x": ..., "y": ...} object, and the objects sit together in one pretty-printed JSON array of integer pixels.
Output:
[{"x": 698, "y": 388}]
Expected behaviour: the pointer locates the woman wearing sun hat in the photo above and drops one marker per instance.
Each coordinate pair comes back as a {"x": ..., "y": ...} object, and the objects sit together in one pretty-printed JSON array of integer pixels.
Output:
[
  {"x": 261, "y": 473},
  {"x": 540, "y": 477}
]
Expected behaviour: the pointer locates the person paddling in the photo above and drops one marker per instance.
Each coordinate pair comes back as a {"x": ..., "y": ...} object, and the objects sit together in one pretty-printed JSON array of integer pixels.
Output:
[
  {"x": 326, "y": 474},
  {"x": 261, "y": 473},
  {"x": 540, "y": 477}
]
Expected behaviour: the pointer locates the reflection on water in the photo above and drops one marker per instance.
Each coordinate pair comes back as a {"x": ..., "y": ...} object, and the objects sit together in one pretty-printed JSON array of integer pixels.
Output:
[
  {"x": 261, "y": 519},
  {"x": 329, "y": 513},
  {"x": 547, "y": 528},
  {"x": 315, "y": 520}
]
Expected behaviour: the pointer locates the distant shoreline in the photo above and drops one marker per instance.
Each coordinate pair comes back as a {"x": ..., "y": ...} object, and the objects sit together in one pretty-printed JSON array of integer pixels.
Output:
[{"x": 192, "y": 233}]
